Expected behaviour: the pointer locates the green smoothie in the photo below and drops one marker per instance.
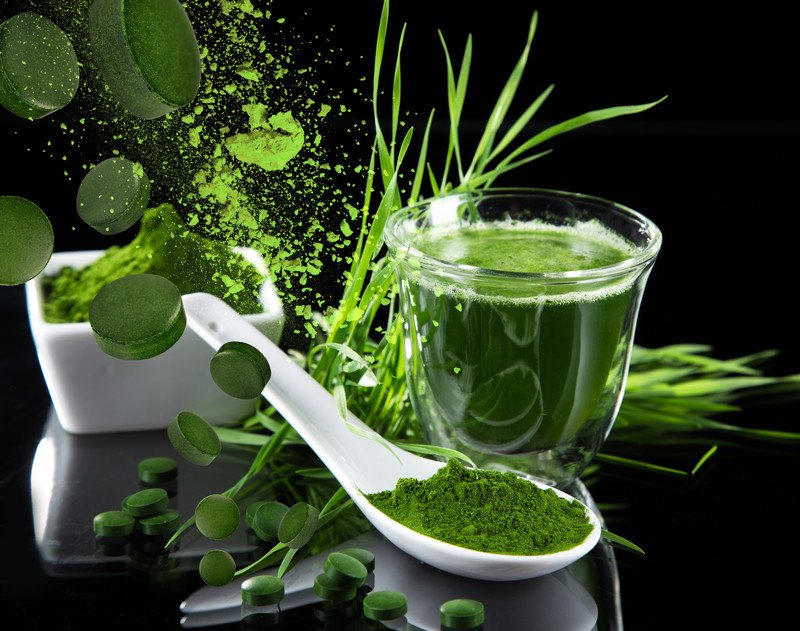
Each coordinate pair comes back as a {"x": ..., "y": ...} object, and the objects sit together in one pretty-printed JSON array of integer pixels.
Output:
[{"x": 519, "y": 371}]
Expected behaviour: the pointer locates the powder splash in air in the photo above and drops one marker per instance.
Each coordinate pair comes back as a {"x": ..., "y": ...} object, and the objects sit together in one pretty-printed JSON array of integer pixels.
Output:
[
  {"x": 269, "y": 145},
  {"x": 250, "y": 162}
]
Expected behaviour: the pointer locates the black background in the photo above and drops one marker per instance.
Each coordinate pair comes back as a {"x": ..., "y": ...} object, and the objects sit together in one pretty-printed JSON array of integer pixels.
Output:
[{"x": 715, "y": 166}]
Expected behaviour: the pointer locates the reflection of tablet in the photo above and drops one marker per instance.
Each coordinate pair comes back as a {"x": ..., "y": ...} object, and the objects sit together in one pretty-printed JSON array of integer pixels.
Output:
[
  {"x": 556, "y": 602},
  {"x": 74, "y": 477}
]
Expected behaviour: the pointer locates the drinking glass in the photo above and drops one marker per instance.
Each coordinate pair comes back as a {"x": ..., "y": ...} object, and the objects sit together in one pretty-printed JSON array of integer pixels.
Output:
[{"x": 521, "y": 371}]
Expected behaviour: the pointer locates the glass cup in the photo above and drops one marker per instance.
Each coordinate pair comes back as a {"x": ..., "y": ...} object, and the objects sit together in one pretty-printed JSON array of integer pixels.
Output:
[{"x": 522, "y": 371}]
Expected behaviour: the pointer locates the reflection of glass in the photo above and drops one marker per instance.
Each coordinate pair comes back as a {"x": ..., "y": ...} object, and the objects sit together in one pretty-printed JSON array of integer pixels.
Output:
[{"x": 522, "y": 370}]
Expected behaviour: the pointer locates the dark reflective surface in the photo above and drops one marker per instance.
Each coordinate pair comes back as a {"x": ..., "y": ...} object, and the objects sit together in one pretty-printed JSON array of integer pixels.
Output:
[
  {"x": 74, "y": 477},
  {"x": 716, "y": 546}
]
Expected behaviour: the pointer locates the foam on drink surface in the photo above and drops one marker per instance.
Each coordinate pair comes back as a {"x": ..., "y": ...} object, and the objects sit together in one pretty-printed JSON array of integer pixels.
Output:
[{"x": 530, "y": 248}]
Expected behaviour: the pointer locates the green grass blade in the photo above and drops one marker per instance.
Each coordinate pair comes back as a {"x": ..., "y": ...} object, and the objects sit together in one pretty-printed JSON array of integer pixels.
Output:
[
  {"x": 397, "y": 89},
  {"x": 722, "y": 385},
  {"x": 577, "y": 122},
  {"x": 380, "y": 46},
  {"x": 703, "y": 459},
  {"x": 237, "y": 437},
  {"x": 433, "y": 450},
  {"x": 432, "y": 178},
  {"x": 521, "y": 123},
  {"x": 496, "y": 118},
  {"x": 640, "y": 464},
  {"x": 621, "y": 541},
  {"x": 419, "y": 173},
  {"x": 486, "y": 179}
]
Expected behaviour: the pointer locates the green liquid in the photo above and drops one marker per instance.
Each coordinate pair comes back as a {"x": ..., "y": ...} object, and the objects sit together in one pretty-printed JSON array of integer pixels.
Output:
[{"x": 517, "y": 374}]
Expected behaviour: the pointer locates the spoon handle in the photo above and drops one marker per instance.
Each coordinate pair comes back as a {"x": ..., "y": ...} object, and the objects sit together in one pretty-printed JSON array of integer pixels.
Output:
[{"x": 356, "y": 461}]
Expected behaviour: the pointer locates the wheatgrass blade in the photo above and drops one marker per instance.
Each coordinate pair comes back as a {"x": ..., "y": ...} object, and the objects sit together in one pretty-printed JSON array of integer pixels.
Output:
[
  {"x": 456, "y": 95},
  {"x": 397, "y": 90},
  {"x": 576, "y": 123},
  {"x": 419, "y": 172},
  {"x": 485, "y": 145},
  {"x": 521, "y": 123}
]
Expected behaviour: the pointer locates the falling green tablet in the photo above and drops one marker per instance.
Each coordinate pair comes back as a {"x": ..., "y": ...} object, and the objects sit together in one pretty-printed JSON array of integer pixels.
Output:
[
  {"x": 298, "y": 525},
  {"x": 217, "y": 516},
  {"x": 267, "y": 519},
  {"x": 26, "y": 240},
  {"x": 147, "y": 53},
  {"x": 194, "y": 439},
  {"x": 217, "y": 568},
  {"x": 137, "y": 317},
  {"x": 39, "y": 71},
  {"x": 240, "y": 370},
  {"x": 113, "y": 196}
]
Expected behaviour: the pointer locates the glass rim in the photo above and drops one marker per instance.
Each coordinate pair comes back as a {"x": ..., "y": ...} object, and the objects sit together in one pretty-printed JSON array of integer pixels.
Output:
[{"x": 639, "y": 259}]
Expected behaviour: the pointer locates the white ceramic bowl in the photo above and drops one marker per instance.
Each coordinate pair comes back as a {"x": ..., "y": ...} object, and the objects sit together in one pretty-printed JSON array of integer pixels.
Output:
[{"x": 93, "y": 392}]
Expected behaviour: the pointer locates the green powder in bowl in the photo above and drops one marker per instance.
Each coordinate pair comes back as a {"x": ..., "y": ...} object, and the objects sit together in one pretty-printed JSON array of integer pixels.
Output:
[{"x": 165, "y": 247}]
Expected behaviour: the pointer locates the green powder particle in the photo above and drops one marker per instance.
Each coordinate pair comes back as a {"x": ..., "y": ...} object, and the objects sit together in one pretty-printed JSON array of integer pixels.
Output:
[
  {"x": 270, "y": 147},
  {"x": 164, "y": 247},
  {"x": 487, "y": 511}
]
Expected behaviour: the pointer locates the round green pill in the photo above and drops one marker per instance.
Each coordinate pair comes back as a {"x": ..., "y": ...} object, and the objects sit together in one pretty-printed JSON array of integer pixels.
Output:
[
  {"x": 298, "y": 525},
  {"x": 240, "y": 370},
  {"x": 461, "y": 613},
  {"x": 160, "y": 524},
  {"x": 39, "y": 71},
  {"x": 345, "y": 570},
  {"x": 137, "y": 317},
  {"x": 217, "y": 516},
  {"x": 328, "y": 589},
  {"x": 262, "y": 590},
  {"x": 366, "y": 557},
  {"x": 26, "y": 240},
  {"x": 250, "y": 512},
  {"x": 217, "y": 568},
  {"x": 158, "y": 469},
  {"x": 147, "y": 53},
  {"x": 385, "y": 605},
  {"x": 146, "y": 502},
  {"x": 113, "y": 196},
  {"x": 113, "y": 523},
  {"x": 268, "y": 518},
  {"x": 194, "y": 439}
]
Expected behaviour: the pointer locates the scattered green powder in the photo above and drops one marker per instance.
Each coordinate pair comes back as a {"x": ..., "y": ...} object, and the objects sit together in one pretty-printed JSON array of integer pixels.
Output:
[
  {"x": 250, "y": 162},
  {"x": 487, "y": 511},
  {"x": 164, "y": 247},
  {"x": 269, "y": 145}
]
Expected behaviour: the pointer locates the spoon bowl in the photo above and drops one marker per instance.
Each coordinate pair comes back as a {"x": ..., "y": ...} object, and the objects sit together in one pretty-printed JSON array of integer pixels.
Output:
[{"x": 362, "y": 465}]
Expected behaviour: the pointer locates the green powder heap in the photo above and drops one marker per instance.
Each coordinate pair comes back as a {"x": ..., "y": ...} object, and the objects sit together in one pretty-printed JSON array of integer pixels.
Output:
[
  {"x": 164, "y": 247},
  {"x": 486, "y": 511}
]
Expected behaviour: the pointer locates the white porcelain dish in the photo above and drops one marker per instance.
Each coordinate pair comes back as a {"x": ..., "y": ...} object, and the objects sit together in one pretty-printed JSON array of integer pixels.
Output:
[{"x": 94, "y": 393}]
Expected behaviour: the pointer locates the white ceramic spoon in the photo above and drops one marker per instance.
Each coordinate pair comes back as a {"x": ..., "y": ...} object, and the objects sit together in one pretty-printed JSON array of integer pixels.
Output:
[{"x": 362, "y": 465}]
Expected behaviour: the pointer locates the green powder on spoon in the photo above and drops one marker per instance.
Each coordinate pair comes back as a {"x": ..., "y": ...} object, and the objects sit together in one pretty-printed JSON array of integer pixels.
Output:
[{"x": 488, "y": 511}]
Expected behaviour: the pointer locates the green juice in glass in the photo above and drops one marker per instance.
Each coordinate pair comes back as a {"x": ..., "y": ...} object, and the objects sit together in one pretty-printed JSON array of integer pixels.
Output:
[{"x": 519, "y": 375}]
